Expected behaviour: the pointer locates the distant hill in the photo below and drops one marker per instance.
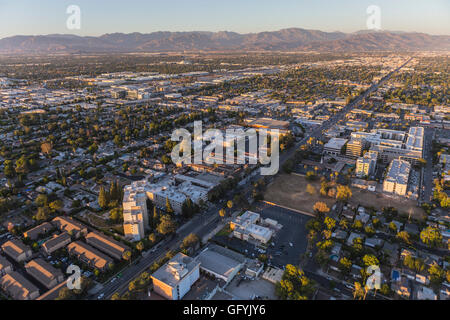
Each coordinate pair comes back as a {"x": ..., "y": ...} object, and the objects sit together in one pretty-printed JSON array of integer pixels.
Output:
[{"x": 292, "y": 39}]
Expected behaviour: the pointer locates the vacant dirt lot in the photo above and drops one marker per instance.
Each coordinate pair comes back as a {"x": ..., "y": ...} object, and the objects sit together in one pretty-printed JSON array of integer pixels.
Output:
[
  {"x": 379, "y": 200},
  {"x": 289, "y": 190}
]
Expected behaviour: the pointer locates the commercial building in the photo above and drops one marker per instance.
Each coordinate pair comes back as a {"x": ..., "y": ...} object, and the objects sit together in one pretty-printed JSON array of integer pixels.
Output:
[
  {"x": 109, "y": 246},
  {"x": 175, "y": 278},
  {"x": 44, "y": 272},
  {"x": 269, "y": 124},
  {"x": 72, "y": 227},
  {"x": 397, "y": 177},
  {"x": 19, "y": 288},
  {"x": 92, "y": 257},
  {"x": 17, "y": 250},
  {"x": 57, "y": 242},
  {"x": 220, "y": 262},
  {"x": 245, "y": 228},
  {"x": 334, "y": 146},
  {"x": 366, "y": 165}
]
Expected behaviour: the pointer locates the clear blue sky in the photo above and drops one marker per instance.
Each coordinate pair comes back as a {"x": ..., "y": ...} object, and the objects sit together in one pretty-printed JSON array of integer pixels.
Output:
[{"x": 106, "y": 16}]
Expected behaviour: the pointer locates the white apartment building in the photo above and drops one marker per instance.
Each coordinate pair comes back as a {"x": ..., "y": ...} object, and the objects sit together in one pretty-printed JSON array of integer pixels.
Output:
[
  {"x": 397, "y": 177},
  {"x": 366, "y": 165},
  {"x": 393, "y": 144},
  {"x": 135, "y": 214},
  {"x": 177, "y": 191}
]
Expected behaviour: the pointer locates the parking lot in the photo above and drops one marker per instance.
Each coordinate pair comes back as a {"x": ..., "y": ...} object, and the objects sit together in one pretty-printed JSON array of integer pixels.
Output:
[
  {"x": 249, "y": 289},
  {"x": 291, "y": 241},
  {"x": 286, "y": 246}
]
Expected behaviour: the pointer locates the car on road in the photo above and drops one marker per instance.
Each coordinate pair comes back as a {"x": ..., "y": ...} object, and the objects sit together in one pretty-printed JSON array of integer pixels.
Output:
[
  {"x": 100, "y": 297},
  {"x": 349, "y": 286}
]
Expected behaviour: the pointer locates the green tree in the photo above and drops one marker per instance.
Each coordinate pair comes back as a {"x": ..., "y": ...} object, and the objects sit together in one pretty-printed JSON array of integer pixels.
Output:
[
  {"x": 169, "y": 208},
  {"x": 190, "y": 241},
  {"x": 370, "y": 260},
  {"x": 404, "y": 236},
  {"x": 115, "y": 296},
  {"x": 102, "y": 198},
  {"x": 321, "y": 207},
  {"x": 42, "y": 214},
  {"x": 343, "y": 193},
  {"x": 330, "y": 223},
  {"x": 41, "y": 200},
  {"x": 127, "y": 256},
  {"x": 152, "y": 238},
  {"x": 56, "y": 205},
  {"x": 140, "y": 246},
  {"x": 431, "y": 236},
  {"x": 166, "y": 225},
  {"x": 345, "y": 265},
  {"x": 436, "y": 273}
]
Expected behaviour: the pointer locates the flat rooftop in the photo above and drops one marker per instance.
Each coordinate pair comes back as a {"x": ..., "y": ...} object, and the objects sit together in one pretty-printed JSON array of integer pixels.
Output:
[
  {"x": 173, "y": 271},
  {"x": 220, "y": 260},
  {"x": 335, "y": 143}
]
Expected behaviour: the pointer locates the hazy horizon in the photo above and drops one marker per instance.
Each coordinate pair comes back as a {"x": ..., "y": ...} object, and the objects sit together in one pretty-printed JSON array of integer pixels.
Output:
[{"x": 250, "y": 16}]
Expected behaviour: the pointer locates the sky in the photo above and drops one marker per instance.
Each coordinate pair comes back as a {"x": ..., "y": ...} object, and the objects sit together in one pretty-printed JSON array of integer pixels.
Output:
[{"x": 33, "y": 17}]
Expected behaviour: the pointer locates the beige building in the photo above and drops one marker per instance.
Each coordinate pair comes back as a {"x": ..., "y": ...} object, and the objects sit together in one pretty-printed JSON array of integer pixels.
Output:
[
  {"x": 34, "y": 233},
  {"x": 175, "y": 278},
  {"x": 135, "y": 215},
  {"x": 5, "y": 266},
  {"x": 355, "y": 148},
  {"x": 366, "y": 165},
  {"x": 44, "y": 272},
  {"x": 17, "y": 250},
  {"x": 109, "y": 246},
  {"x": 57, "y": 242},
  {"x": 71, "y": 226},
  {"x": 397, "y": 177},
  {"x": 92, "y": 257},
  {"x": 18, "y": 287}
]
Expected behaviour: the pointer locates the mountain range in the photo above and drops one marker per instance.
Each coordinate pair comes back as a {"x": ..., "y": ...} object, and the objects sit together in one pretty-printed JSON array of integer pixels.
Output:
[{"x": 293, "y": 39}]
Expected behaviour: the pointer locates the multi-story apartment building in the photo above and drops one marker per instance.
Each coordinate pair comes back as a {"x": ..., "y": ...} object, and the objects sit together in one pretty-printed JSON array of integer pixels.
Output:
[
  {"x": 355, "y": 148},
  {"x": 393, "y": 144},
  {"x": 366, "y": 165},
  {"x": 176, "y": 191},
  {"x": 135, "y": 215},
  {"x": 397, "y": 177}
]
